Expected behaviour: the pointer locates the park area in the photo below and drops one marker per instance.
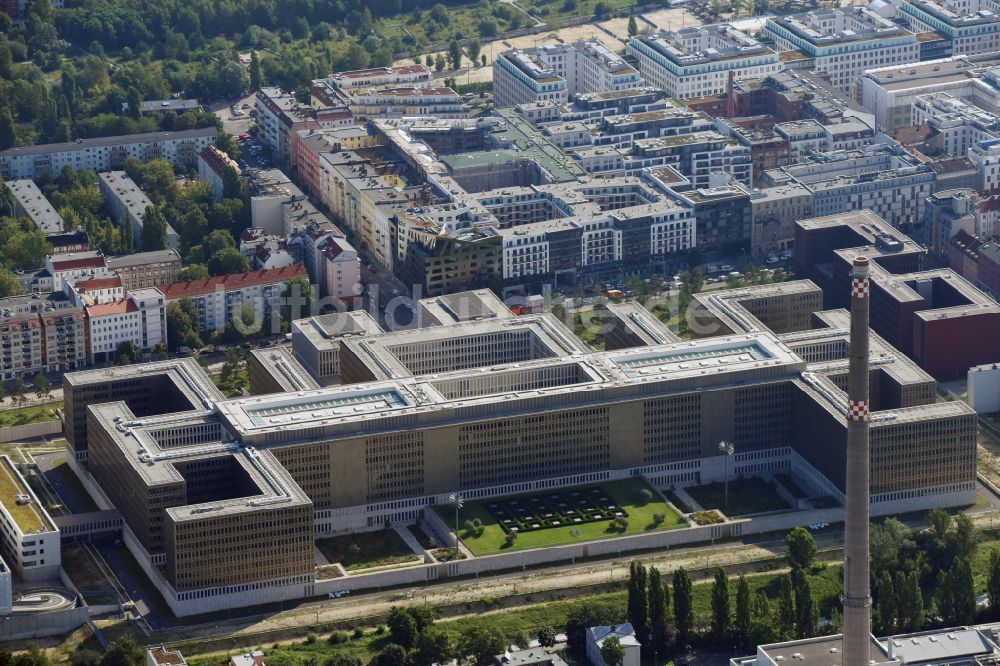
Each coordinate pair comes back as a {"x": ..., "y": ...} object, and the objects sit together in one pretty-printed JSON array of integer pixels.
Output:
[
  {"x": 746, "y": 496},
  {"x": 558, "y": 517}
]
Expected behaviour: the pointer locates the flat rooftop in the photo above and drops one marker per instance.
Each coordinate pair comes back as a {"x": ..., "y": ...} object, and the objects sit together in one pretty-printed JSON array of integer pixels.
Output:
[
  {"x": 188, "y": 376},
  {"x": 34, "y": 204},
  {"x": 107, "y": 142},
  {"x": 20, "y": 502},
  {"x": 600, "y": 377},
  {"x": 282, "y": 366}
]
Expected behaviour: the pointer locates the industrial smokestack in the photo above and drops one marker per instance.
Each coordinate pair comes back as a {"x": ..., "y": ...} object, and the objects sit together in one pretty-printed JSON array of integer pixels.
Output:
[{"x": 857, "y": 596}]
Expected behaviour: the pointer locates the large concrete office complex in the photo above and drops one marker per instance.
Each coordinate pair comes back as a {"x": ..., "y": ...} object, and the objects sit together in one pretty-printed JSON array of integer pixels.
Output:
[
  {"x": 481, "y": 401},
  {"x": 934, "y": 316}
]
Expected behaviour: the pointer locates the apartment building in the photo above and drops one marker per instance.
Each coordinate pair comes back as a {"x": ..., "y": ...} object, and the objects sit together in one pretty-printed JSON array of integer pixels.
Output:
[
  {"x": 264, "y": 250},
  {"x": 106, "y": 154},
  {"x": 956, "y": 125},
  {"x": 279, "y": 116},
  {"x": 696, "y": 62},
  {"x": 583, "y": 67},
  {"x": 521, "y": 77},
  {"x": 946, "y": 214},
  {"x": 31, "y": 203},
  {"x": 968, "y": 26},
  {"x": 215, "y": 167},
  {"x": 146, "y": 269},
  {"x": 843, "y": 43},
  {"x": 128, "y": 203},
  {"x": 41, "y": 333},
  {"x": 774, "y": 211},
  {"x": 221, "y": 299},
  {"x": 378, "y": 77},
  {"x": 330, "y": 260},
  {"x": 29, "y": 539},
  {"x": 139, "y": 318},
  {"x": 879, "y": 178},
  {"x": 437, "y": 101},
  {"x": 723, "y": 215},
  {"x": 442, "y": 259}
]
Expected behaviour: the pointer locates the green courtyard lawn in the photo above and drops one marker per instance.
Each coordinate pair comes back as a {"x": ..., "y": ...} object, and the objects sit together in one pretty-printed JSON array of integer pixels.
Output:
[
  {"x": 746, "y": 496},
  {"x": 366, "y": 549},
  {"x": 25, "y": 415},
  {"x": 623, "y": 493}
]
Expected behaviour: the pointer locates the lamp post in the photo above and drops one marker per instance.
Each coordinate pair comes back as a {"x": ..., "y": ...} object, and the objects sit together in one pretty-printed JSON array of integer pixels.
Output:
[
  {"x": 459, "y": 502},
  {"x": 727, "y": 449}
]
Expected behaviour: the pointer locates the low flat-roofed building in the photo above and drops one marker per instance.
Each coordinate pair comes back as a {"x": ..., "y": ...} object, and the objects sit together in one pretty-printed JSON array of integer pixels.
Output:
[
  {"x": 376, "y": 77},
  {"x": 128, "y": 203},
  {"x": 30, "y": 202},
  {"x": 29, "y": 539},
  {"x": 164, "y": 105},
  {"x": 161, "y": 656}
]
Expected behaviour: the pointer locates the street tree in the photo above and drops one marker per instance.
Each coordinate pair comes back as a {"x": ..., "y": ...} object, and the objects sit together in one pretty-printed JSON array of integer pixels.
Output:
[
  {"x": 612, "y": 651},
  {"x": 683, "y": 606},
  {"x": 659, "y": 612},
  {"x": 800, "y": 548},
  {"x": 638, "y": 605},
  {"x": 720, "y": 606}
]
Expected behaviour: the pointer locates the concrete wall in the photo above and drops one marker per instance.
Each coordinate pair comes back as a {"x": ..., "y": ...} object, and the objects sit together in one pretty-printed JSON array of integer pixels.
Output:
[
  {"x": 984, "y": 388},
  {"x": 30, "y": 431},
  {"x": 6, "y": 589},
  {"x": 38, "y": 625}
]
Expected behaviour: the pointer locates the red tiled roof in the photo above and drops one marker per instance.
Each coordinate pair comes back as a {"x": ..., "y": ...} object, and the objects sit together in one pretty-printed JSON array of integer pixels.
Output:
[
  {"x": 233, "y": 282},
  {"x": 217, "y": 160},
  {"x": 118, "y": 307},
  {"x": 100, "y": 283},
  {"x": 70, "y": 264}
]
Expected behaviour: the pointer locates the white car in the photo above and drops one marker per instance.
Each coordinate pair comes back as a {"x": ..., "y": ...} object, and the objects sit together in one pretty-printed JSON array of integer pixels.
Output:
[{"x": 772, "y": 259}]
